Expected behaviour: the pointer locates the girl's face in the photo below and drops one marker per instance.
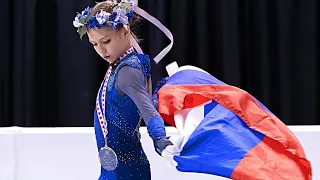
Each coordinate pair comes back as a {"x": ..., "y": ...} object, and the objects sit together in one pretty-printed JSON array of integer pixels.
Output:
[{"x": 110, "y": 44}]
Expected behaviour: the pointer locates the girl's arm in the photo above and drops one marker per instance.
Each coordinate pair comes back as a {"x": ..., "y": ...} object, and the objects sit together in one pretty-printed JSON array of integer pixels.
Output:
[{"x": 131, "y": 81}]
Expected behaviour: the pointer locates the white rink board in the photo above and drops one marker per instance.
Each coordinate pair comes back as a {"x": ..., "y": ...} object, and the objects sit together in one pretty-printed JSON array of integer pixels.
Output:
[{"x": 71, "y": 154}]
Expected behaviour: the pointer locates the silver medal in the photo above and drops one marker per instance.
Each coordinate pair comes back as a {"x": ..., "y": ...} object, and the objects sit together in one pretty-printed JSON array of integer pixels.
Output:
[{"x": 108, "y": 158}]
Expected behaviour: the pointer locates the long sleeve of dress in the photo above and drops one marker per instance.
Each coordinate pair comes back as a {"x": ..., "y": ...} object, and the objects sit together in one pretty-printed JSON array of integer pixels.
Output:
[{"x": 131, "y": 81}]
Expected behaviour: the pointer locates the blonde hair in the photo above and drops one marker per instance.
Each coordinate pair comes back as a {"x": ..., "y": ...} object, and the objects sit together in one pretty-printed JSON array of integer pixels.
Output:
[{"x": 108, "y": 6}]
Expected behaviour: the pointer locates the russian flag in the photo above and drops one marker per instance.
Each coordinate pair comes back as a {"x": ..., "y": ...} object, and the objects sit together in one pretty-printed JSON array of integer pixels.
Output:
[{"x": 227, "y": 132}]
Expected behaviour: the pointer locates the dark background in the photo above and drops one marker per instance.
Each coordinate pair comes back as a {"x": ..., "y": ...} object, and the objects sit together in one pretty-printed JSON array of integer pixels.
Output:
[{"x": 267, "y": 47}]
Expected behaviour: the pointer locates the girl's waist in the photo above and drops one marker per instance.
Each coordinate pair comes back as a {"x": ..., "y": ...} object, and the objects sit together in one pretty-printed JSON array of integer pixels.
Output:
[{"x": 132, "y": 157}]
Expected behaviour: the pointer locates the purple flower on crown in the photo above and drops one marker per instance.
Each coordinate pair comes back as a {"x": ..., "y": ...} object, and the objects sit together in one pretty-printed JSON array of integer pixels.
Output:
[
  {"x": 85, "y": 12},
  {"x": 103, "y": 17},
  {"x": 130, "y": 15},
  {"x": 92, "y": 22},
  {"x": 113, "y": 16},
  {"x": 114, "y": 25},
  {"x": 121, "y": 16},
  {"x": 79, "y": 16},
  {"x": 131, "y": 4},
  {"x": 76, "y": 22}
]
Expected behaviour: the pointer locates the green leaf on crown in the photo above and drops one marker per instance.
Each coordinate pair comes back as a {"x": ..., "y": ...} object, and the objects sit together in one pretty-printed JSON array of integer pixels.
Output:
[
  {"x": 125, "y": 6},
  {"x": 82, "y": 20},
  {"x": 88, "y": 17},
  {"x": 82, "y": 31}
]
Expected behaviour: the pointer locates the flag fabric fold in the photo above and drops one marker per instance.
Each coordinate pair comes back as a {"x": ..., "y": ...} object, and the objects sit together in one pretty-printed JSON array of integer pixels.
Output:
[{"x": 233, "y": 135}]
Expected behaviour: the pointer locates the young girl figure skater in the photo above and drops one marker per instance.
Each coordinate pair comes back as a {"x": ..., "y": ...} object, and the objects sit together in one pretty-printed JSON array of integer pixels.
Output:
[{"x": 124, "y": 97}]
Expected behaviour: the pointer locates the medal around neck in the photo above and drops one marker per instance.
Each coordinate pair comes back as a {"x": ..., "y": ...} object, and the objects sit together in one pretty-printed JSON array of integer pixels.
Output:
[{"x": 108, "y": 158}]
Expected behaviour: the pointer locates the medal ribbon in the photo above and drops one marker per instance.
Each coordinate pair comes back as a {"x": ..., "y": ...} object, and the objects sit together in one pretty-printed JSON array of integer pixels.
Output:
[{"x": 101, "y": 107}]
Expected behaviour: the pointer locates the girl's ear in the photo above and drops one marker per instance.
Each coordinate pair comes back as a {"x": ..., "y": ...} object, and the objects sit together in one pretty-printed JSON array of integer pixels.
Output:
[{"x": 126, "y": 32}]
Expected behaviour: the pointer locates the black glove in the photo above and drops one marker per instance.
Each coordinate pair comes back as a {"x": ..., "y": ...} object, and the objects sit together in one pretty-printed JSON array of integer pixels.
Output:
[{"x": 161, "y": 143}]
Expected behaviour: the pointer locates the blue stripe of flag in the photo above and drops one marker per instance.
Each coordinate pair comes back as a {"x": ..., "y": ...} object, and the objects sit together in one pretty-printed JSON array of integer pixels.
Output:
[{"x": 218, "y": 144}]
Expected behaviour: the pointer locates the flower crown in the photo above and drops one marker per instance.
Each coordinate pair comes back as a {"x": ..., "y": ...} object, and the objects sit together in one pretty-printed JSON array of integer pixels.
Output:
[{"x": 120, "y": 16}]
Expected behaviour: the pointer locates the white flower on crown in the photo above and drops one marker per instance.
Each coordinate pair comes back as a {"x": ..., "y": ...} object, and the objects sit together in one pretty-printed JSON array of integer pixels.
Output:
[
  {"x": 121, "y": 15},
  {"x": 76, "y": 22},
  {"x": 102, "y": 17}
]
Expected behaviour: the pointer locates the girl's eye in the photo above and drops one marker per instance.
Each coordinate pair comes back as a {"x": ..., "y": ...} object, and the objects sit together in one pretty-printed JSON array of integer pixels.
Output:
[{"x": 106, "y": 42}]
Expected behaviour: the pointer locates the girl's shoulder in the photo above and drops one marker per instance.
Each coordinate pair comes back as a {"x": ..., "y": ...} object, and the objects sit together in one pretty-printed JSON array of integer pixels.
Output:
[{"x": 137, "y": 61}]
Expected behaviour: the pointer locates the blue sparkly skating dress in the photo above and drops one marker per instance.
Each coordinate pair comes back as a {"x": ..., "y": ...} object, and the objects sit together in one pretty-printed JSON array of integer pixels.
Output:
[{"x": 123, "y": 120}]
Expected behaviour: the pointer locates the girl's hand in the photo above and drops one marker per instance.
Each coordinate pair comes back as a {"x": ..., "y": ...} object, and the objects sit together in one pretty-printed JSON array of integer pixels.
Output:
[{"x": 161, "y": 143}]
